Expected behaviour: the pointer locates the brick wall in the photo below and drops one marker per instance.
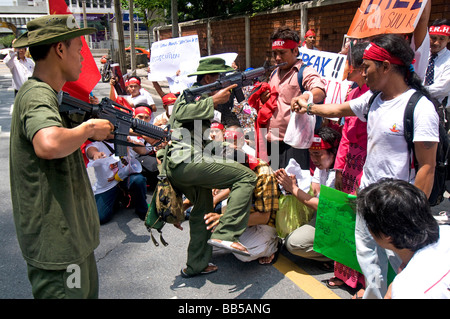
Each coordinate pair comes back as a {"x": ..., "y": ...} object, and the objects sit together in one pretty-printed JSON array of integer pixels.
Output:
[{"x": 330, "y": 23}]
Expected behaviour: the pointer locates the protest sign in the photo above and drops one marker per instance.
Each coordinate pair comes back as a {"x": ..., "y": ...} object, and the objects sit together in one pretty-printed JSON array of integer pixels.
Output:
[
  {"x": 173, "y": 59},
  {"x": 385, "y": 16},
  {"x": 331, "y": 67},
  {"x": 335, "y": 229}
]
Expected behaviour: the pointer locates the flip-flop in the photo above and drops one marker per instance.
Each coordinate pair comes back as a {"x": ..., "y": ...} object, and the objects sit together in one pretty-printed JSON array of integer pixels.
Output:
[
  {"x": 225, "y": 244},
  {"x": 334, "y": 286},
  {"x": 204, "y": 272}
]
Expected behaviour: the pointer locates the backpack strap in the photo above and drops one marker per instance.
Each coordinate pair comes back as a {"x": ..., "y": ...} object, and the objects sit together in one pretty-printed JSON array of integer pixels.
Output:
[
  {"x": 408, "y": 118},
  {"x": 408, "y": 124},
  {"x": 372, "y": 98},
  {"x": 300, "y": 77}
]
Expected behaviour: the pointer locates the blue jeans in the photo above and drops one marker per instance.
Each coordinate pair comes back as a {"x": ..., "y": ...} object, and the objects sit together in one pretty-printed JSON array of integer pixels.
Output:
[{"x": 136, "y": 185}]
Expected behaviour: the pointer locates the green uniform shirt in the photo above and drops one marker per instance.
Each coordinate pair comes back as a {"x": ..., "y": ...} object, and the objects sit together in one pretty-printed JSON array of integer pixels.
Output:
[
  {"x": 189, "y": 122},
  {"x": 54, "y": 208}
]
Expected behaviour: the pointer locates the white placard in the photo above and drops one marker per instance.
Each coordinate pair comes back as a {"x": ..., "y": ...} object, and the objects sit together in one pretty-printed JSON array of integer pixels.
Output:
[{"x": 330, "y": 67}]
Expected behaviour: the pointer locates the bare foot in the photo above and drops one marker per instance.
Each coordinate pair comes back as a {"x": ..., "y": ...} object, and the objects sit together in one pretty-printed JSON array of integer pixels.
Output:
[{"x": 266, "y": 260}]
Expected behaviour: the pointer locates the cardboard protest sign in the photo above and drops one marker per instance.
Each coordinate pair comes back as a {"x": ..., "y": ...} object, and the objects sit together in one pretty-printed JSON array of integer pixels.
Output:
[
  {"x": 386, "y": 16},
  {"x": 331, "y": 67},
  {"x": 173, "y": 59}
]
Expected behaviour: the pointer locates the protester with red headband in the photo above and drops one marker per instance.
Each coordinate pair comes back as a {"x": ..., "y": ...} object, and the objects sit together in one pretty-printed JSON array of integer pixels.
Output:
[
  {"x": 168, "y": 100},
  {"x": 284, "y": 81},
  {"x": 310, "y": 40},
  {"x": 323, "y": 153},
  {"x": 437, "y": 79},
  {"x": 260, "y": 236},
  {"x": 145, "y": 155},
  {"x": 387, "y": 68}
]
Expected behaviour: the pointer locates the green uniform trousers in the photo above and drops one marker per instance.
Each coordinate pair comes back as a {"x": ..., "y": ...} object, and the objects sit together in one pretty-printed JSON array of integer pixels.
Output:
[
  {"x": 75, "y": 282},
  {"x": 196, "y": 181}
]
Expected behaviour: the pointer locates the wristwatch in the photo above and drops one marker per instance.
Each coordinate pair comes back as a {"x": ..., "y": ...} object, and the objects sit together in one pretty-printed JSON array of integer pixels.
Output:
[{"x": 308, "y": 108}]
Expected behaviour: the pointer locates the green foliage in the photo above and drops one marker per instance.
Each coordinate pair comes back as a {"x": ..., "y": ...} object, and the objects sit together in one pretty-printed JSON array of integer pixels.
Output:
[
  {"x": 6, "y": 41},
  {"x": 200, "y": 9}
]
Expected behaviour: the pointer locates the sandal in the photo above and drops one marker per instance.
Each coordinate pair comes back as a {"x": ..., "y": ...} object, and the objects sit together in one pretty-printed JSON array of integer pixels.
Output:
[
  {"x": 331, "y": 283},
  {"x": 212, "y": 269}
]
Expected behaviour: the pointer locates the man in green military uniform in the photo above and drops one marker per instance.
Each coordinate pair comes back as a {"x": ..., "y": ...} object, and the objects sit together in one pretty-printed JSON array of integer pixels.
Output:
[
  {"x": 53, "y": 205},
  {"x": 194, "y": 171}
]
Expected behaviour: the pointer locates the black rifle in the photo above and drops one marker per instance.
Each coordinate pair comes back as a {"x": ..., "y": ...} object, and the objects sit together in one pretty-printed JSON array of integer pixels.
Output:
[
  {"x": 118, "y": 115},
  {"x": 240, "y": 78}
]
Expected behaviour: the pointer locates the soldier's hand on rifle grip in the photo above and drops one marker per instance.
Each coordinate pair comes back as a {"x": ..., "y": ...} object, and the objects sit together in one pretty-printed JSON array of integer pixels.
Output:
[
  {"x": 99, "y": 129},
  {"x": 223, "y": 96}
]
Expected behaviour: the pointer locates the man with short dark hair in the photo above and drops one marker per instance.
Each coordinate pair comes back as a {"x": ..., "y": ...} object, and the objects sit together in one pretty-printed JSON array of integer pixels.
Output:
[
  {"x": 399, "y": 218},
  {"x": 53, "y": 205},
  {"x": 437, "y": 78},
  {"x": 284, "y": 81}
]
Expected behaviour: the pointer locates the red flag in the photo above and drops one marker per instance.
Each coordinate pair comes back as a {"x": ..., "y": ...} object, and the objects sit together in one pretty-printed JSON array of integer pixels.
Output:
[{"x": 90, "y": 75}]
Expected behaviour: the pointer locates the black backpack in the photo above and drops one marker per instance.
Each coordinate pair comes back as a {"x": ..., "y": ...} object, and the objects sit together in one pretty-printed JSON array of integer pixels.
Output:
[{"x": 442, "y": 152}]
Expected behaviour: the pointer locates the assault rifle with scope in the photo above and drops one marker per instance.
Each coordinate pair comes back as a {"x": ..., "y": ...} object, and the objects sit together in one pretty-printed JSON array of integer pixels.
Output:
[
  {"x": 242, "y": 79},
  {"x": 120, "y": 116}
]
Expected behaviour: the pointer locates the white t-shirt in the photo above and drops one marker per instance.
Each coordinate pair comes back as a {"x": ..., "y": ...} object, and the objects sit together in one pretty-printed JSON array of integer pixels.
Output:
[
  {"x": 427, "y": 275},
  {"x": 324, "y": 177},
  {"x": 387, "y": 150},
  {"x": 143, "y": 97}
]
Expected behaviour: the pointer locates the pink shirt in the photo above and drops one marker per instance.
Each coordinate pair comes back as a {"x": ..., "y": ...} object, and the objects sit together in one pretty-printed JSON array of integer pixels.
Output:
[
  {"x": 353, "y": 132},
  {"x": 288, "y": 88}
]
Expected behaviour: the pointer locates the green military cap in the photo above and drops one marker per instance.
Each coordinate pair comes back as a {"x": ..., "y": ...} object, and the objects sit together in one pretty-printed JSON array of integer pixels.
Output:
[
  {"x": 212, "y": 65},
  {"x": 51, "y": 29}
]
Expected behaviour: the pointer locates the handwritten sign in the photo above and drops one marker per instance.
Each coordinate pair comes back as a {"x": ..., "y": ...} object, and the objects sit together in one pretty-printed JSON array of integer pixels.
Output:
[
  {"x": 331, "y": 67},
  {"x": 385, "y": 16},
  {"x": 335, "y": 227},
  {"x": 173, "y": 59}
]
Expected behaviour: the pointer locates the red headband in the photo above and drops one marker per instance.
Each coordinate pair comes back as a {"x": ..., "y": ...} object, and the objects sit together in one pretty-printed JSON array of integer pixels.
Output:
[
  {"x": 235, "y": 135},
  {"x": 374, "y": 52},
  {"x": 310, "y": 33},
  {"x": 131, "y": 81},
  {"x": 169, "y": 98},
  {"x": 142, "y": 110},
  {"x": 319, "y": 144},
  {"x": 440, "y": 30},
  {"x": 217, "y": 125},
  {"x": 284, "y": 44}
]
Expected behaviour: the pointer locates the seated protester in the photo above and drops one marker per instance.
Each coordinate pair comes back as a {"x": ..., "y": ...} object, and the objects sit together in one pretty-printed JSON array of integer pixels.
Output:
[
  {"x": 147, "y": 155},
  {"x": 109, "y": 182},
  {"x": 219, "y": 195},
  {"x": 216, "y": 131},
  {"x": 323, "y": 153},
  {"x": 399, "y": 218},
  {"x": 260, "y": 236},
  {"x": 168, "y": 101},
  {"x": 236, "y": 133}
]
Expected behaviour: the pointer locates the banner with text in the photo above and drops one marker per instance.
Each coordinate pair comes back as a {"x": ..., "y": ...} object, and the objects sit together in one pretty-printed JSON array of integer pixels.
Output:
[
  {"x": 173, "y": 59},
  {"x": 391, "y": 16},
  {"x": 331, "y": 67}
]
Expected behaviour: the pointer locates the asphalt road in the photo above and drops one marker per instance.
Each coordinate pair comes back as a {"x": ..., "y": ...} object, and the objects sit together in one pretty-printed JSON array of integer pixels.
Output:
[{"x": 131, "y": 267}]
